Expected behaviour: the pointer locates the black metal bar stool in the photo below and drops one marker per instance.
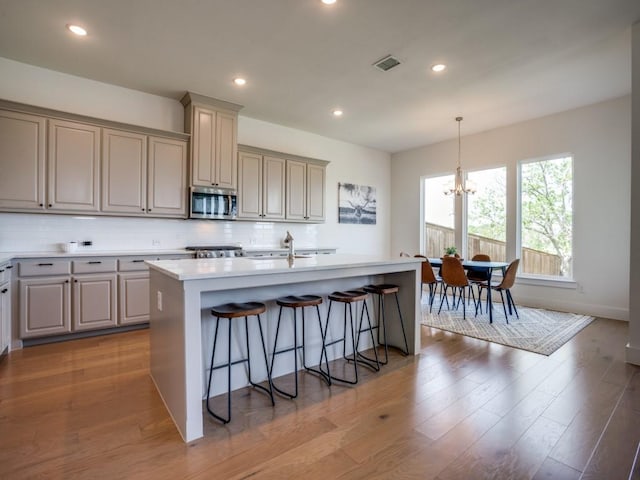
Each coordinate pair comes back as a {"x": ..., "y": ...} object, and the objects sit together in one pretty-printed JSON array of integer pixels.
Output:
[
  {"x": 231, "y": 311},
  {"x": 380, "y": 290},
  {"x": 348, "y": 298},
  {"x": 294, "y": 302}
]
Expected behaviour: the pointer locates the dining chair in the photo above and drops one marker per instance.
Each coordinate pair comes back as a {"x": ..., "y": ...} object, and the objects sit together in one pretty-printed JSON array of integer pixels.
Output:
[
  {"x": 505, "y": 285},
  {"x": 453, "y": 276},
  {"x": 430, "y": 278},
  {"x": 478, "y": 276}
]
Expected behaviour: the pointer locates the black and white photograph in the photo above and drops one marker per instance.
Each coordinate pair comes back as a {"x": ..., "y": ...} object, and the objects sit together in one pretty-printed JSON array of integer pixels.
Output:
[{"x": 356, "y": 204}]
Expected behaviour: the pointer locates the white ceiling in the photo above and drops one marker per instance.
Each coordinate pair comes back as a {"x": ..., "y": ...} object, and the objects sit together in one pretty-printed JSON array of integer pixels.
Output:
[{"x": 509, "y": 60}]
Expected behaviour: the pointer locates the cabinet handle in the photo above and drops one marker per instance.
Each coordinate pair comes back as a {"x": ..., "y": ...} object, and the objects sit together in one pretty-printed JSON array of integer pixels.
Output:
[
  {"x": 50, "y": 205},
  {"x": 9, "y": 267},
  {"x": 148, "y": 210},
  {"x": 137, "y": 261},
  {"x": 76, "y": 281},
  {"x": 142, "y": 209},
  {"x": 2, "y": 270},
  {"x": 66, "y": 281},
  {"x": 42, "y": 204},
  {"x": 45, "y": 264},
  {"x": 4, "y": 290},
  {"x": 95, "y": 262}
]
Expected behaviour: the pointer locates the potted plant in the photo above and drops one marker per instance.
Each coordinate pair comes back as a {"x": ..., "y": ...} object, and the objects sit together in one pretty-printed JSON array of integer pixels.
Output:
[{"x": 451, "y": 251}]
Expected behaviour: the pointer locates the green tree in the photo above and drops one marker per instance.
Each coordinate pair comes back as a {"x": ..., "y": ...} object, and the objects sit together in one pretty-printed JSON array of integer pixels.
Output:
[{"x": 546, "y": 207}]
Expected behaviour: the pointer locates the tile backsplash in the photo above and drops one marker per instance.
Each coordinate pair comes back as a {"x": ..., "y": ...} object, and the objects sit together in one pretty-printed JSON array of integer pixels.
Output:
[{"x": 44, "y": 233}]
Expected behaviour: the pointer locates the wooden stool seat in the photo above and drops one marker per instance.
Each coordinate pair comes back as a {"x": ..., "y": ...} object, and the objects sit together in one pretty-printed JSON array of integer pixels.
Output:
[
  {"x": 234, "y": 310},
  {"x": 297, "y": 301},
  {"x": 382, "y": 289},
  {"x": 348, "y": 296}
]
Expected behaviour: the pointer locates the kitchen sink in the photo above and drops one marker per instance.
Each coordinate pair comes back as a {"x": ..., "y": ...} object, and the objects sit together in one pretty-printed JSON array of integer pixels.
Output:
[{"x": 265, "y": 257}]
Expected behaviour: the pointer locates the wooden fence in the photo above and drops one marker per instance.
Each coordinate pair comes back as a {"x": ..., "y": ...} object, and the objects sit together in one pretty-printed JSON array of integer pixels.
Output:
[{"x": 438, "y": 238}]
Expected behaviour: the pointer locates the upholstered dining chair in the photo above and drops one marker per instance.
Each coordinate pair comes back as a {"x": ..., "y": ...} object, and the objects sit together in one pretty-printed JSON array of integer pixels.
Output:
[
  {"x": 430, "y": 278},
  {"x": 505, "y": 285},
  {"x": 453, "y": 276}
]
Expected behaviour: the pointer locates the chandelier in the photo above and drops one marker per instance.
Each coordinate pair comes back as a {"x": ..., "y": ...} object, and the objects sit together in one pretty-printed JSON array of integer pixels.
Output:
[{"x": 459, "y": 187}]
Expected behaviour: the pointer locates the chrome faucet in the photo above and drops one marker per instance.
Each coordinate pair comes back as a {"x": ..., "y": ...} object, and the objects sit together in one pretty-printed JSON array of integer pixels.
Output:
[{"x": 288, "y": 240}]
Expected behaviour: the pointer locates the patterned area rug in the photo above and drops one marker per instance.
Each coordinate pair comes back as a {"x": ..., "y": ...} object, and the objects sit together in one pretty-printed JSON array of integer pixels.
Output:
[{"x": 539, "y": 331}]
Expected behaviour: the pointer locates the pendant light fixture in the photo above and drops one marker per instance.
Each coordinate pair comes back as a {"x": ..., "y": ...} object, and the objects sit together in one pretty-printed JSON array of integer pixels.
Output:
[{"x": 459, "y": 187}]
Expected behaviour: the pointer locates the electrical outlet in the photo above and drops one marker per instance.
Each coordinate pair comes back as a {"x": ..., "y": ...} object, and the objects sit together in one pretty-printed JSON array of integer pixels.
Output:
[
  {"x": 155, "y": 243},
  {"x": 87, "y": 243}
]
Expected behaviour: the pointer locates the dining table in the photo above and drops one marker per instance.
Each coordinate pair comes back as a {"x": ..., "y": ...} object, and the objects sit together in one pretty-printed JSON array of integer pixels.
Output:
[{"x": 487, "y": 267}]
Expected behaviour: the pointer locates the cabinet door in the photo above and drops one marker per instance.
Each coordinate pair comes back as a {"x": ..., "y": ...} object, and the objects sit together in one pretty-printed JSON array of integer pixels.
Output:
[
  {"x": 167, "y": 185},
  {"x": 203, "y": 147},
  {"x": 44, "y": 306},
  {"x": 22, "y": 161},
  {"x": 226, "y": 150},
  {"x": 134, "y": 298},
  {"x": 5, "y": 315},
  {"x": 249, "y": 185},
  {"x": 273, "y": 174},
  {"x": 94, "y": 301},
  {"x": 296, "y": 190},
  {"x": 74, "y": 160},
  {"x": 315, "y": 192},
  {"x": 124, "y": 172}
]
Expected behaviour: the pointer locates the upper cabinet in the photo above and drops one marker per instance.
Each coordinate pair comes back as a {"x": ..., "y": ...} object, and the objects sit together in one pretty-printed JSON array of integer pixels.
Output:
[
  {"x": 305, "y": 191},
  {"x": 73, "y": 166},
  {"x": 62, "y": 163},
  {"x": 213, "y": 125},
  {"x": 278, "y": 186},
  {"x": 143, "y": 175},
  {"x": 22, "y": 161},
  {"x": 261, "y": 186}
]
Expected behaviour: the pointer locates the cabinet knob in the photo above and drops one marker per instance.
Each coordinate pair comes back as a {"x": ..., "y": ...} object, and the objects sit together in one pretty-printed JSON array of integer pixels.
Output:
[
  {"x": 148, "y": 210},
  {"x": 66, "y": 281},
  {"x": 50, "y": 205},
  {"x": 42, "y": 204},
  {"x": 142, "y": 209},
  {"x": 76, "y": 281}
]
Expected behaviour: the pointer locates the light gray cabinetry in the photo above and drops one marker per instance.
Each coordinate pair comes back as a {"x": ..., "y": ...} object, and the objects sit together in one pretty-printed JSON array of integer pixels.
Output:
[
  {"x": 5, "y": 308},
  {"x": 22, "y": 161},
  {"x": 261, "y": 186},
  {"x": 94, "y": 294},
  {"x": 124, "y": 172},
  {"x": 213, "y": 125},
  {"x": 134, "y": 297},
  {"x": 143, "y": 175},
  {"x": 167, "y": 177},
  {"x": 305, "y": 191},
  {"x": 73, "y": 166},
  {"x": 45, "y": 306}
]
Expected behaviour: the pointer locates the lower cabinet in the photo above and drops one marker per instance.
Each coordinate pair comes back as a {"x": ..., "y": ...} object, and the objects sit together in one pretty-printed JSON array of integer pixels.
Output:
[
  {"x": 94, "y": 302},
  {"x": 45, "y": 306},
  {"x": 5, "y": 316},
  {"x": 134, "y": 297}
]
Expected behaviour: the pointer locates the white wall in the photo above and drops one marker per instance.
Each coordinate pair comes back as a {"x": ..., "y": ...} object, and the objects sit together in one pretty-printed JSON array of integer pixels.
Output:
[
  {"x": 599, "y": 137},
  {"x": 38, "y": 232}
]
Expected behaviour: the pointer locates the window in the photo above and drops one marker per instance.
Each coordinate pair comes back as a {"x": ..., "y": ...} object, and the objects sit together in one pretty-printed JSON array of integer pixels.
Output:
[
  {"x": 487, "y": 214},
  {"x": 439, "y": 216},
  {"x": 546, "y": 217}
]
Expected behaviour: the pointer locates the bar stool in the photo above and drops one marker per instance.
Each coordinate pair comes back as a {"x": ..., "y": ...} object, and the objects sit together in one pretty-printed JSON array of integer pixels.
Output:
[
  {"x": 348, "y": 298},
  {"x": 380, "y": 290},
  {"x": 294, "y": 302},
  {"x": 231, "y": 311}
]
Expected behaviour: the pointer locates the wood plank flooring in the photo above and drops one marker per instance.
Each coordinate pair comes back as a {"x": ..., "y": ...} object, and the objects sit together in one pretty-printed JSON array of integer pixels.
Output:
[{"x": 462, "y": 409}]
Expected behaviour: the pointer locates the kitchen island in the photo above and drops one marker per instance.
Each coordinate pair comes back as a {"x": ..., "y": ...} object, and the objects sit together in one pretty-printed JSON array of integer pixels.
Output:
[{"x": 183, "y": 291}]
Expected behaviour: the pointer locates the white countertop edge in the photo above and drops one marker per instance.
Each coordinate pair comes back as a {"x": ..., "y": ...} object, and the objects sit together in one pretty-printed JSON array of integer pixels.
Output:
[
  {"x": 9, "y": 256},
  {"x": 211, "y": 268}
]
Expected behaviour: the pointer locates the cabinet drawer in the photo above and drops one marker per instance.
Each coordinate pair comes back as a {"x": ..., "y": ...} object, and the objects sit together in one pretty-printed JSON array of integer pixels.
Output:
[
  {"x": 44, "y": 267},
  {"x": 94, "y": 265},
  {"x": 134, "y": 263}
]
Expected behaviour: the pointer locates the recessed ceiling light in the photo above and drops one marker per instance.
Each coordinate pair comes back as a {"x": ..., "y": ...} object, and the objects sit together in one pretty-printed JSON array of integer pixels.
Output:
[
  {"x": 328, "y": 2},
  {"x": 239, "y": 81},
  {"x": 337, "y": 112},
  {"x": 77, "y": 29},
  {"x": 438, "y": 67}
]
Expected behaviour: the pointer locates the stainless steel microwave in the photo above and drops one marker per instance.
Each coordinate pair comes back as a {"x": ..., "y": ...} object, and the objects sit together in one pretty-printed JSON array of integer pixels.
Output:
[{"x": 213, "y": 203}]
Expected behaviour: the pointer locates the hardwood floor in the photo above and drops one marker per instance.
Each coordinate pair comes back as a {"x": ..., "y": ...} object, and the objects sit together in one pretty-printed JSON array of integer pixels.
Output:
[{"x": 463, "y": 409}]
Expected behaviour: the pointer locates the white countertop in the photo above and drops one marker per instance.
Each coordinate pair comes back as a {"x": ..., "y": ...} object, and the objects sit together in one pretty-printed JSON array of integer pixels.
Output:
[
  {"x": 8, "y": 256},
  {"x": 197, "y": 269}
]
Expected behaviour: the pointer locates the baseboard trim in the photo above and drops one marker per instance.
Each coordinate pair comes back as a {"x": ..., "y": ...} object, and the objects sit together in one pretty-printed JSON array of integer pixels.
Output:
[
  {"x": 632, "y": 354},
  {"x": 30, "y": 342},
  {"x": 602, "y": 311}
]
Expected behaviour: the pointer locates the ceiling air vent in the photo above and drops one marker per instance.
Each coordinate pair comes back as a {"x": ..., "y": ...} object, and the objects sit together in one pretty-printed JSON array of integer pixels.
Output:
[{"x": 387, "y": 63}]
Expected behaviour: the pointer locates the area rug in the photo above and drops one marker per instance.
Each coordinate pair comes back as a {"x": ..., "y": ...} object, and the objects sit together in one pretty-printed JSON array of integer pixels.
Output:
[{"x": 537, "y": 330}]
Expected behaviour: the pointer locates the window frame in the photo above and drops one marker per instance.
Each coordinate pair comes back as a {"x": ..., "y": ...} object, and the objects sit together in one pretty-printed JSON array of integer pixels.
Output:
[{"x": 539, "y": 279}]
